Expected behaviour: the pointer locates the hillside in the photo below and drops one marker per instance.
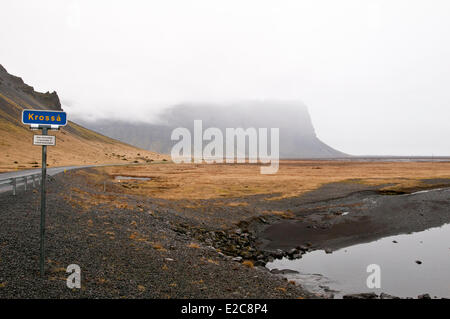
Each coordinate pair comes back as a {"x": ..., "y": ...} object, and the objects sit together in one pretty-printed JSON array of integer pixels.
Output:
[
  {"x": 75, "y": 145},
  {"x": 298, "y": 138}
]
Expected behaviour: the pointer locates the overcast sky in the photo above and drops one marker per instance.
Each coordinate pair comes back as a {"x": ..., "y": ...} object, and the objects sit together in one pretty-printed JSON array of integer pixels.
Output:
[{"x": 374, "y": 74}]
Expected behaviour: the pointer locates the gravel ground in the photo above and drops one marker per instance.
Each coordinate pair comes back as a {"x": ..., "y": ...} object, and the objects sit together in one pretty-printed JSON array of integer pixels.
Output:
[{"x": 125, "y": 245}]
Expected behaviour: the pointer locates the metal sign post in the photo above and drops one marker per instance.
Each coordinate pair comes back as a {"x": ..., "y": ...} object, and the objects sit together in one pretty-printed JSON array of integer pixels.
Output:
[
  {"x": 43, "y": 119},
  {"x": 43, "y": 195}
]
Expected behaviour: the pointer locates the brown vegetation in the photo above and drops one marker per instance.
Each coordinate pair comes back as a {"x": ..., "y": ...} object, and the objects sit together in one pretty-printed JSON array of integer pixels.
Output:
[{"x": 203, "y": 181}]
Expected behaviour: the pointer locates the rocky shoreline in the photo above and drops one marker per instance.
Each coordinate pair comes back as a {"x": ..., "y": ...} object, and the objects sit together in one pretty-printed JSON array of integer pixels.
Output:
[
  {"x": 242, "y": 245},
  {"x": 250, "y": 241}
]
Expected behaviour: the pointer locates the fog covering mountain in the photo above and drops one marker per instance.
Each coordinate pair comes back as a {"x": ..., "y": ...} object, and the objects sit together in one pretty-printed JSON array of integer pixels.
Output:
[{"x": 297, "y": 136}]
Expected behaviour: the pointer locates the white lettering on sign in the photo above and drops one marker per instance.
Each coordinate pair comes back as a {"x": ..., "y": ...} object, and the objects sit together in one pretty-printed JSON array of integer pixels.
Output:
[{"x": 44, "y": 140}]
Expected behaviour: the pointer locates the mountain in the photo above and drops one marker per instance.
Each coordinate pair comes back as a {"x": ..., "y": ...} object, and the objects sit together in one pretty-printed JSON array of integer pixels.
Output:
[
  {"x": 75, "y": 145},
  {"x": 297, "y": 135}
]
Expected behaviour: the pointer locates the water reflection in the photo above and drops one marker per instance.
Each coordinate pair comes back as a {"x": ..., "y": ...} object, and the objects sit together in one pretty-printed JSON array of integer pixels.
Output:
[{"x": 411, "y": 265}]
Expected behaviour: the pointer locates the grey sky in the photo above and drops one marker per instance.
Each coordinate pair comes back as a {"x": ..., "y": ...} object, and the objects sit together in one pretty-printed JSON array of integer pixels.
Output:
[{"x": 374, "y": 74}]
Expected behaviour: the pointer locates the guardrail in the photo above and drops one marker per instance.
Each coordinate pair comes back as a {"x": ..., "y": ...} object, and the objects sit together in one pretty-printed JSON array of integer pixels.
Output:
[{"x": 15, "y": 182}]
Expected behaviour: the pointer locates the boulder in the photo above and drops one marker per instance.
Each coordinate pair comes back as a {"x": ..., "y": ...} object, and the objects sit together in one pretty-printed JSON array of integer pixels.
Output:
[{"x": 364, "y": 295}]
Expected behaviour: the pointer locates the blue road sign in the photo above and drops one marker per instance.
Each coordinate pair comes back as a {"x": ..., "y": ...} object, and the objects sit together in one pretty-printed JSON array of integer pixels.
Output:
[{"x": 44, "y": 117}]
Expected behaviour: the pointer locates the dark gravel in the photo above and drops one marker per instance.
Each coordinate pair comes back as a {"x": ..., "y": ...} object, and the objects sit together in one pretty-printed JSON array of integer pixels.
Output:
[{"x": 124, "y": 251}]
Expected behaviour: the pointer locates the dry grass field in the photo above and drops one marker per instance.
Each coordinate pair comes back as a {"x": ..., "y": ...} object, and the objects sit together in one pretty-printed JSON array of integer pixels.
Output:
[
  {"x": 17, "y": 151},
  {"x": 207, "y": 181}
]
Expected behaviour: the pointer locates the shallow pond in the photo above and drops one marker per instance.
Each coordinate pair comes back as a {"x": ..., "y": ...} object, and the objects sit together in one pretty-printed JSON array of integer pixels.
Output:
[
  {"x": 119, "y": 178},
  {"x": 410, "y": 265}
]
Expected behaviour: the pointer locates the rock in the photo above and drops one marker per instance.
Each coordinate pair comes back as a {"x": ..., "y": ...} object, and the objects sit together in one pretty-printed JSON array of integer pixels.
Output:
[
  {"x": 283, "y": 271},
  {"x": 168, "y": 259},
  {"x": 246, "y": 254},
  {"x": 302, "y": 248},
  {"x": 328, "y": 251},
  {"x": 292, "y": 252},
  {"x": 297, "y": 256},
  {"x": 260, "y": 263},
  {"x": 418, "y": 262},
  {"x": 260, "y": 257},
  {"x": 279, "y": 253},
  {"x": 424, "y": 296},
  {"x": 395, "y": 242},
  {"x": 238, "y": 231},
  {"x": 238, "y": 259},
  {"x": 387, "y": 296},
  {"x": 365, "y": 295}
]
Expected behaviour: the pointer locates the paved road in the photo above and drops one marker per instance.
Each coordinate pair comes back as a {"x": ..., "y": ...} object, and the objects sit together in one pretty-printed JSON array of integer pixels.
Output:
[
  {"x": 20, "y": 182},
  {"x": 4, "y": 177}
]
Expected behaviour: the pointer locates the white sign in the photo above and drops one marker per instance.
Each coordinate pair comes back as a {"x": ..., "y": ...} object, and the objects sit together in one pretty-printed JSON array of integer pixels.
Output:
[{"x": 44, "y": 140}]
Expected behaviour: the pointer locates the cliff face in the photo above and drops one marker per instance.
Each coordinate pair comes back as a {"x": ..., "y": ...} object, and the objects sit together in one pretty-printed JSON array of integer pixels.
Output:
[
  {"x": 297, "y": 136},
  {"x": 15, "y": 88},
  {"x": 75, "y": 144}
]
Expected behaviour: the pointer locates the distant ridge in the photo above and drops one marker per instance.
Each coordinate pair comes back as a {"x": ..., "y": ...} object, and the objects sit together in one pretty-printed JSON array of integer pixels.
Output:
[{"x": 297, "y": 135}]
